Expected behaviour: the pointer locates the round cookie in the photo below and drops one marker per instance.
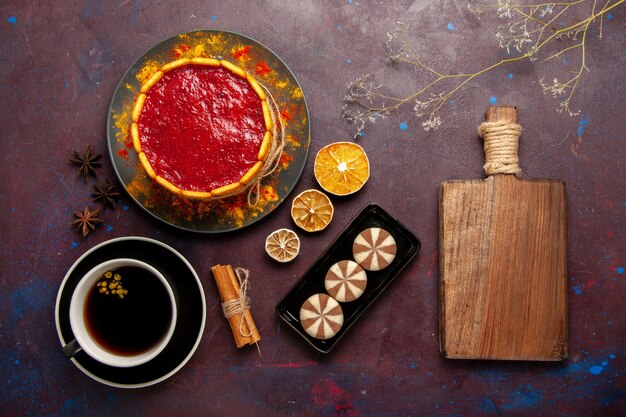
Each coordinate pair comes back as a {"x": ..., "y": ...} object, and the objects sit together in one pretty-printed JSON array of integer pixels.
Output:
[
  {"x": 374, "y": 249},
  {"x": 345, "y": 281},
  {"x": 321, "y": 316}
]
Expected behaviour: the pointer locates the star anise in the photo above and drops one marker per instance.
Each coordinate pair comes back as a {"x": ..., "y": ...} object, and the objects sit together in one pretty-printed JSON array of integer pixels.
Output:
[
  {"x": 87, "y": 220},
  {"x": 87, "y": 162},
  {"x": 106, "y": 194}
]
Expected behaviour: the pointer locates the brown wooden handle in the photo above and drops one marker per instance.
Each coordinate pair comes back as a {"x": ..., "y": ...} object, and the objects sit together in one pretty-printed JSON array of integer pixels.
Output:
[
  {"x": 502, "y": 114},
  {"x": 501, "y": 132}
]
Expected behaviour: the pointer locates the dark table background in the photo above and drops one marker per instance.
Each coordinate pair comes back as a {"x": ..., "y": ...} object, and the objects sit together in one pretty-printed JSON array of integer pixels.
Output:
[{"x": 59, "y": 65}]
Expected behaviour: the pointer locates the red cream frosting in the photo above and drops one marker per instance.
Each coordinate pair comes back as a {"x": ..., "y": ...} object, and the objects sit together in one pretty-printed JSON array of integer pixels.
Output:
[{"x": 201, "y": 127}]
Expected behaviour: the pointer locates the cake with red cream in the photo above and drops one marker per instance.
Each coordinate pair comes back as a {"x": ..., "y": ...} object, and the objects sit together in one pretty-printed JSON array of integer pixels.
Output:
[{"x": 202, "y": 128}]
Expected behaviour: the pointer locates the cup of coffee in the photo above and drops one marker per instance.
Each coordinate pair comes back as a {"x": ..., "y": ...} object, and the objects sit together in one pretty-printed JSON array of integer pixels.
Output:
[{"x": 122, "y": 313}]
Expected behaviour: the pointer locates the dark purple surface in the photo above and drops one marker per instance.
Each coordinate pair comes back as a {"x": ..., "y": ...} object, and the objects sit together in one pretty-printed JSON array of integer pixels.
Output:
[{"x": 59, "y": 65}]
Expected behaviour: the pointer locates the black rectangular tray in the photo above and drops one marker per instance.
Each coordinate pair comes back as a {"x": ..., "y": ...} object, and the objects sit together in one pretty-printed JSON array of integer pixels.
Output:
[{"x": 312, "y": 282}]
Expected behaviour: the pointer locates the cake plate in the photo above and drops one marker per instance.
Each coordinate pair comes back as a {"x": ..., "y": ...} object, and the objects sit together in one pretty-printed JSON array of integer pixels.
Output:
[{"x": 230, "y": 213}]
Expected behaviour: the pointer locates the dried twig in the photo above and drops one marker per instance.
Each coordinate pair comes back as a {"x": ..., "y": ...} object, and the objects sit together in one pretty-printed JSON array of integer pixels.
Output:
[{"x": 531, "y": 30}]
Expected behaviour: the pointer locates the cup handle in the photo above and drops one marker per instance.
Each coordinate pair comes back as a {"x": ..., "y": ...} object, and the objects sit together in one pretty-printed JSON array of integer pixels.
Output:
[{"x": 71, "y": 349}]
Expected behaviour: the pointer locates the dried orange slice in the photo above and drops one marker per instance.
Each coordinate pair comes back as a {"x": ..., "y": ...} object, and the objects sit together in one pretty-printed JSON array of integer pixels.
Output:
[
  {"x": 312, "y": 210},
  {"x": 341, "y": 168},
  {"x": 282, "y": 245}
]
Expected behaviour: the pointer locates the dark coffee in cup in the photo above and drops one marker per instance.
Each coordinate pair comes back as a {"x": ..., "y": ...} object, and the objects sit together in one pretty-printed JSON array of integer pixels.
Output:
[
  {"x": 122, "y": 313},
  {"x": 128, "y": 311}
]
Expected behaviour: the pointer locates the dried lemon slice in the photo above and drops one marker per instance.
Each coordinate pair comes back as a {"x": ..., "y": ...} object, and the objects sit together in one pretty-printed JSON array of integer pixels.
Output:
[
  {"x": 282, "y": 245},
  {"x": 341, "y": 168},
  {"x": 312, "y": 210}
]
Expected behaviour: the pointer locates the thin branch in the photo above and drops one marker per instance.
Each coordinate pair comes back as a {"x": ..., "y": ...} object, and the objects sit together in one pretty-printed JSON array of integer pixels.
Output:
[{"x": 364, "y": 101}]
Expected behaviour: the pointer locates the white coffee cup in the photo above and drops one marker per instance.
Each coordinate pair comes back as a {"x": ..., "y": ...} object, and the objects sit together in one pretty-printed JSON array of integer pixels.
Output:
[{"x": 84, "y": 340}]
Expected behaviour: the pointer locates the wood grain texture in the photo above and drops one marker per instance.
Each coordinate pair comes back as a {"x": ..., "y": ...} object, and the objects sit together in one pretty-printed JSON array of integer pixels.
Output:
[{"x": 503, "y": 285}]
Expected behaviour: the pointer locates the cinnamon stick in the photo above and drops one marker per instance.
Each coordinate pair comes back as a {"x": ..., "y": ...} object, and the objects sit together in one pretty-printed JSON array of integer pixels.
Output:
[{"x": 240, "y": 320}]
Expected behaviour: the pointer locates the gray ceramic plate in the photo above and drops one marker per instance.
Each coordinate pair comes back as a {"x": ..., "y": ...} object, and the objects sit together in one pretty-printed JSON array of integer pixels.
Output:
[{"x": 230, "y": 213}]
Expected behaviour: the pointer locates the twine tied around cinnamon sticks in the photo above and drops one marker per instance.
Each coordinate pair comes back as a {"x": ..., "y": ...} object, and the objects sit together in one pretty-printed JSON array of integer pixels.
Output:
[
  {"x": 240, "y": 304},
  {"x": 501, "y": 147},
  {"x": 233, "y": 291}
]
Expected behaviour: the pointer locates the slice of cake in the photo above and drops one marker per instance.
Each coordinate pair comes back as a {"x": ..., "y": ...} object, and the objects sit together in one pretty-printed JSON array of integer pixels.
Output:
[{"x": 202, "y": 128}]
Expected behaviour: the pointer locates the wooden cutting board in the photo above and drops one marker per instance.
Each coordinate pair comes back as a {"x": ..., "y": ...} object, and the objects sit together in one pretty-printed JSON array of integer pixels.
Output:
[{"x": 503, "y": 283}]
